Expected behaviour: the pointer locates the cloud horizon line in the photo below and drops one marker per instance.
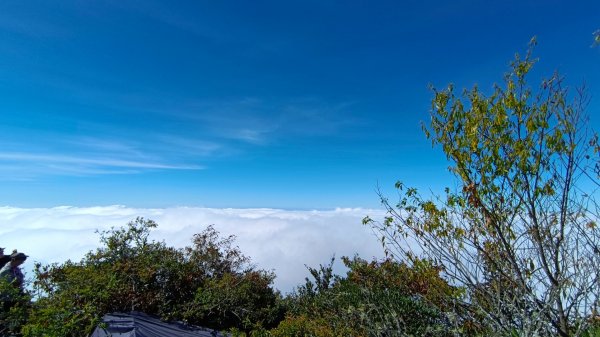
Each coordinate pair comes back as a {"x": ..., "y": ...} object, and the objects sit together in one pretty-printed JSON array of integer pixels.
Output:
[{"x": 284, "y": 241}]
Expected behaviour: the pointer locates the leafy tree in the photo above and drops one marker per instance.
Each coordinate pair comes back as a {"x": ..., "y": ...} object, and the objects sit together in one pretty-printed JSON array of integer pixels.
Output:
[
  {"x": 14, "y": 307},
  {"x": 519, "y": 234},
  {"x": 377, "y": 298},
  {"x": 244, "y": 302},
  {"x": 210, "y": 283}
]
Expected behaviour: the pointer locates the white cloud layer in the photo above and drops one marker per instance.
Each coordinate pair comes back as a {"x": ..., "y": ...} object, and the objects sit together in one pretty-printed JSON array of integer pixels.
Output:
[{"x": 280, "y": 240}]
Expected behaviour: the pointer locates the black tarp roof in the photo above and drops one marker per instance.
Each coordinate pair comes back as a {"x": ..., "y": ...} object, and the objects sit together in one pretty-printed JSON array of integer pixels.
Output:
[{"x": 137, "y": 324}]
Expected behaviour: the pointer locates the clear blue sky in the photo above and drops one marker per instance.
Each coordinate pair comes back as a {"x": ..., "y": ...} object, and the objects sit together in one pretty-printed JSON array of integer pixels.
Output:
[{"x": 284, "y": 104}]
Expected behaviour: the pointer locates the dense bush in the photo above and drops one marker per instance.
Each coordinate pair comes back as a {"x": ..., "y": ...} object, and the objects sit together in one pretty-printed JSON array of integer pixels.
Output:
[
  {"x": 210, "y": 283},
  {"x": 377, "y": 298}
]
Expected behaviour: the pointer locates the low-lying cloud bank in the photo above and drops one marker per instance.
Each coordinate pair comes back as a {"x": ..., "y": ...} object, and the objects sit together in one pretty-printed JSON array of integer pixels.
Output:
[{"x": 280, "y": 240}]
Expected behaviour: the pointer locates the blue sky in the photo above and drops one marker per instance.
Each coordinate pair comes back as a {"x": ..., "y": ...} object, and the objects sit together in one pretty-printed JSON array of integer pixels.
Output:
[{"x": 281, "y": 104}]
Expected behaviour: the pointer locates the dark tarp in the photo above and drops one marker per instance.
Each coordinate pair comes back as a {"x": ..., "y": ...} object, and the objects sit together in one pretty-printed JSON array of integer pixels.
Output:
[{"x": 136, "y": 324}]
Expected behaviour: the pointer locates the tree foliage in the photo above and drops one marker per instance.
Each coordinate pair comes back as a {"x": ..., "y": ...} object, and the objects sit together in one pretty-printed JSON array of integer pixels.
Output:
[
  {"x": 377, "y": 298},
  {"x": 210, "y": 283},
  {"x": 14, "y": 308},
  {"x": 519, "y": 233}
]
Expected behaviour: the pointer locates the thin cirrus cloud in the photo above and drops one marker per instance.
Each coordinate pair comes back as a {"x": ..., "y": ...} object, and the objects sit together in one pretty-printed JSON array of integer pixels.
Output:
[
  {"x": 189, "y": 145},
  {"x": 96, "y": 162},
  {"x": 226, "y": 127},
  {"x": 35, "y": 164},
  {"x": 283, "y": 241},
  {"x": 262, "y": 121},
  {"x": 100, "y": 154}
]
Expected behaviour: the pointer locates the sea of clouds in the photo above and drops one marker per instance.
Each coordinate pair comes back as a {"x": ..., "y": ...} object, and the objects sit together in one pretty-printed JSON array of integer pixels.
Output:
[{"x": 284, "y": 241}]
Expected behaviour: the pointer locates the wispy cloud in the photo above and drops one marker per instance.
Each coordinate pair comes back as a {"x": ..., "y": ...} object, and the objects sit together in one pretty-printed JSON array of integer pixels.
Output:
[
  {"x": 102, "y": 152},
  {"x": 27, "y": 166},
  {"x": 276, "y": 239},
  {"x": 99, "y": 144},
  {"x": 189, "y": 145},
  {"x": 94, "y": 162},
  {"x": 264, "y": 121},
  {"x": 246, "y": 135},
  {"x": 197, "y": 133}
]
